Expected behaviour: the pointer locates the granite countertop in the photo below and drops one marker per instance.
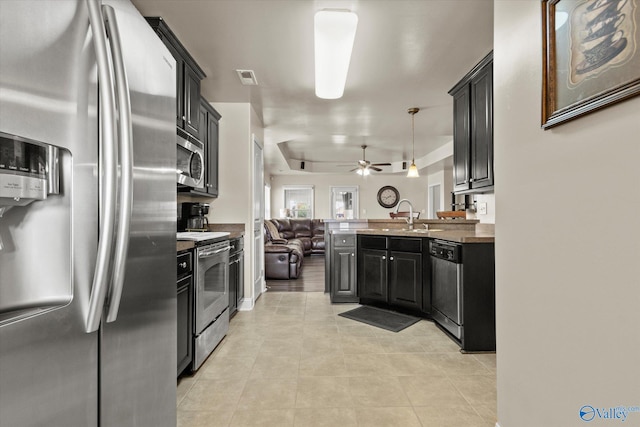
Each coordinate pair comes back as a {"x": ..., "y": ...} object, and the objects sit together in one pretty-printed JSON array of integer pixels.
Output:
[
  {"x": 234, "y": 230},
  {"x": 458, "y": 236},
  {"x": 453, "y": 230},
  {"x": 183, "y": 245}
]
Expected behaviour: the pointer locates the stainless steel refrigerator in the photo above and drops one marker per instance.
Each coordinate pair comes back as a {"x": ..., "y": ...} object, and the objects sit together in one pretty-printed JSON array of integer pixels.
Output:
[{"x": 87, "y": 217}]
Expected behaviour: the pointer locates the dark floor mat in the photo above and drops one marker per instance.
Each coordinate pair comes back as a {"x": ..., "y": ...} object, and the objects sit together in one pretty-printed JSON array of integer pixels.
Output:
[{"x": 380, "y": 318}]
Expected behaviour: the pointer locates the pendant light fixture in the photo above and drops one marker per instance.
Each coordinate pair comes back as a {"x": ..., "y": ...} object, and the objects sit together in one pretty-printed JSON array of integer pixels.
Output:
[{"x": 413, "y": 169}]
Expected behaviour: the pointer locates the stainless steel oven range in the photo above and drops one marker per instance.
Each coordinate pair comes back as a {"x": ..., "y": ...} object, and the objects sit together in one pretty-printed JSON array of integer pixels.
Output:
[{"x": 211, "y": 298}]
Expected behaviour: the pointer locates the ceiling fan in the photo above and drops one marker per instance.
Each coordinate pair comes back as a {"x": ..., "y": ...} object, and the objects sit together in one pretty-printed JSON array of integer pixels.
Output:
[{"x": 365, "y": 166}]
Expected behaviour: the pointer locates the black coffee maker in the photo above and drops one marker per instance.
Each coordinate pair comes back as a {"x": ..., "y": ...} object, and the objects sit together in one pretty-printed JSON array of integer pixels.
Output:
[{"x": 192, "y": 217}]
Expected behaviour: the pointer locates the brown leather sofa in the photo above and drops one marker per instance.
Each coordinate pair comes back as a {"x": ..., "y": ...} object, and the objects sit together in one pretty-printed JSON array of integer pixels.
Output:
[
  {"x": 287, "y": 241},
  {"x": 309, "y": 231}
]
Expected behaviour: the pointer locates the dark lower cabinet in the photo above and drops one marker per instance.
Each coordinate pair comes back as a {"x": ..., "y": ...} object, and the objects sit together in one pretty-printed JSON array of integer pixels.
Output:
[
  {"x": 185, "y": 316},
  {"x": 390, "y": 272},
  {"x": 372, "y": 274},
  {"x": 236, "y": 274},
  {"x": 405, "y": 279},
  {"x": 343, "y": 286},
  {"x": 464, "y": 296}
]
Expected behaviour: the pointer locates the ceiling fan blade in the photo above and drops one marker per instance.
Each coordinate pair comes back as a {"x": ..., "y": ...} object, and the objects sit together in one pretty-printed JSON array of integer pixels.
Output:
[
  {"x": 354, "y": 169},
  {"x": 375, "y": 168},
  {"x": 381, "y": 164}
]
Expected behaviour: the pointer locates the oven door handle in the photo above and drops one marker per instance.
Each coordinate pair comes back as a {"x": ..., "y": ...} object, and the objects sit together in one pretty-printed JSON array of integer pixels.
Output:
[{"x": 212, "y": 253}]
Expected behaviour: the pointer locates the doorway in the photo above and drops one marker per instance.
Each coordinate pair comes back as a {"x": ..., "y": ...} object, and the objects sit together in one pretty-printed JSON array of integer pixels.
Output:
[
  {"x": 434, "y": 201},
  {"x": 344, "y": 202}
]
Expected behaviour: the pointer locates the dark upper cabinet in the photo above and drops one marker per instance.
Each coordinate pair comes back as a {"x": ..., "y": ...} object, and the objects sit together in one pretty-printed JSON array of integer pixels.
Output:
[
  {"x": 210, "y": 124},
  {"x": 473, "y": 129},
  {"x": 192, "y": 121},
  {"x": 461, "y": 139},
  {"x": 482, "y": 128},
  {"x": 202, "y": 118},
  {"x": 188, "y": 78}
]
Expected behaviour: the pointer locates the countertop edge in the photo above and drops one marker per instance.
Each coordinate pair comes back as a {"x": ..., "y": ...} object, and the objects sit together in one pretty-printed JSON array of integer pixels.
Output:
[{"x": 460, "y": 236}]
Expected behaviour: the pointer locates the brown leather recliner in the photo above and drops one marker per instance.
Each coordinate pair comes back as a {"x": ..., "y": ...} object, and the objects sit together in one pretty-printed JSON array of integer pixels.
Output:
[{"x": 282, "y": 257}]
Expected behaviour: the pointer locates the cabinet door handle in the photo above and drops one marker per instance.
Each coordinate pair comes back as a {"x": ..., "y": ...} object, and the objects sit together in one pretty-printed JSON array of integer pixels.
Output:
[
  {"x": 352, "y": 254},
  {"x": 471, "y": 180},
  {"x": 384, "y": 257},
  {"x": 183, "y": 264},
  {"x": 184, "y": 117},
  {"x": 390, "y": 258}
]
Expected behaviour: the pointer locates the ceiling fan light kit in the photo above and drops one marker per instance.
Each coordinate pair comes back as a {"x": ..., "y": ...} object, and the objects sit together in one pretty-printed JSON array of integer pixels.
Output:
[
  {"x": 365, "y": 167},
  {"x": 413, "y": 169},
  {"x": 334, "y": 33}
]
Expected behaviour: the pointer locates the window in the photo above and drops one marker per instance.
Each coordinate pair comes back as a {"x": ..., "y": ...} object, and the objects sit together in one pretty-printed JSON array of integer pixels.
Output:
[
  {"x": 344, "y": 202},
  {"x": 298, "y": 202},
  {"x": 267, "y": 201}
]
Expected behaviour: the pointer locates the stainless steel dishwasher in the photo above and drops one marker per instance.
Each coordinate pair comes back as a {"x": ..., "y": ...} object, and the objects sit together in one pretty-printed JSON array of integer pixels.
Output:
[{"x": 446, "y": 285}]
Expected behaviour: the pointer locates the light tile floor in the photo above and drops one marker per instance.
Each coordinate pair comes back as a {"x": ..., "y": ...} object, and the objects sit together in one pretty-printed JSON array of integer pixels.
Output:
[{"x": 293, "y": 361}]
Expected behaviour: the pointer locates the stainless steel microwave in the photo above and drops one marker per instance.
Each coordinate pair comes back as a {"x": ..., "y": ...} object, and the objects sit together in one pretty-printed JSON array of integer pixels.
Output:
[{"x": 190, "y": 165}]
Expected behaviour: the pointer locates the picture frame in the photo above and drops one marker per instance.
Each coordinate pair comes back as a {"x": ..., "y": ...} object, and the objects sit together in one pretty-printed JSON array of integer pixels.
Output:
[{"x": 590, "y": 56}]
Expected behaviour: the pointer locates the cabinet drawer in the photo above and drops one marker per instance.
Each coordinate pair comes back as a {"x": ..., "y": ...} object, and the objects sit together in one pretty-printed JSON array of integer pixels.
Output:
[
  {"x": 341, "y": 240},
  {"x": 405, "y": 244},
  {"x": 372, "y": 242}
]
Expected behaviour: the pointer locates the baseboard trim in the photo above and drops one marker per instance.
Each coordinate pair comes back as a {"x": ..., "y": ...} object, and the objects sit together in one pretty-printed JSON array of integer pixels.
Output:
[{"x": 246, "y": 304}]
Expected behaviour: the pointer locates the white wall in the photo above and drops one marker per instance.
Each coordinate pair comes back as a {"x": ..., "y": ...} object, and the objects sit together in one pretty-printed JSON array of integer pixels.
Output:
[
  {"x": 567, "y": 244},
  {"x": 414, "y": 189},
  {"x": 490, "y": 200},
  {"x": 235, "y": 200}
]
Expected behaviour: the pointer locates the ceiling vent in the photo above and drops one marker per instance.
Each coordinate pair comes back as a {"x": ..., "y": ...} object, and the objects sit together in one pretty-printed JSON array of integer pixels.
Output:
[{"x": 247, "y": 77}]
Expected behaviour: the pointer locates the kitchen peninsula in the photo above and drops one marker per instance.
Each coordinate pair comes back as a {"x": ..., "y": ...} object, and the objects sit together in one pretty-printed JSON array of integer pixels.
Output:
[{"x": 439, "y": 269}]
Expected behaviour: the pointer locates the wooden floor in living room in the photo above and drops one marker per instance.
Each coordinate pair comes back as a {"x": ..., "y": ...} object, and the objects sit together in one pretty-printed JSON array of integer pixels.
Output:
[{"x": 310, "y": 280}]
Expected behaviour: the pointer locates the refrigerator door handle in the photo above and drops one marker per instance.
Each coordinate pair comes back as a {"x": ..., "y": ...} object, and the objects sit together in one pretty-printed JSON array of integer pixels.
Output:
[
  {"x": 107, "y": 169},
  {"x": 126, "y": 164}
]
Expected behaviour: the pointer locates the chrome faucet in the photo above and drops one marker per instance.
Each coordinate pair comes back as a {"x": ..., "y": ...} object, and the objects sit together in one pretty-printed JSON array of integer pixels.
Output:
[{"x": 410, "y": 220}]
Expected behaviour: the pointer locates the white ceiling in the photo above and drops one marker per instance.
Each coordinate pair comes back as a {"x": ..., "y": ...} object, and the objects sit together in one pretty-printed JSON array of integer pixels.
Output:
[{"x": 407, "y": 53}]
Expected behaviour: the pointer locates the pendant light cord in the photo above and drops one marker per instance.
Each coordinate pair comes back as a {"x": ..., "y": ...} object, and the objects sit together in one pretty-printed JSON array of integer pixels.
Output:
[{"x": 413, "y": 139}]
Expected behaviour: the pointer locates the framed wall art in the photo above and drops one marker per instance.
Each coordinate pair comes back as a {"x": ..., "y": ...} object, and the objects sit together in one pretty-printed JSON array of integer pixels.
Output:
[{"x": 591, "y": 56}]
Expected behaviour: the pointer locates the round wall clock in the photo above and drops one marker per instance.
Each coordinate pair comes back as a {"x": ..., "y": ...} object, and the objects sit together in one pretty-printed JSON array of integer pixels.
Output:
[{"x": 388, "y": 196}]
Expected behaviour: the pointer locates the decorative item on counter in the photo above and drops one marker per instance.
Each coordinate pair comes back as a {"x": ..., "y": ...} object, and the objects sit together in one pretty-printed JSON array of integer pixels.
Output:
[{"x": 451, "y": 214}]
